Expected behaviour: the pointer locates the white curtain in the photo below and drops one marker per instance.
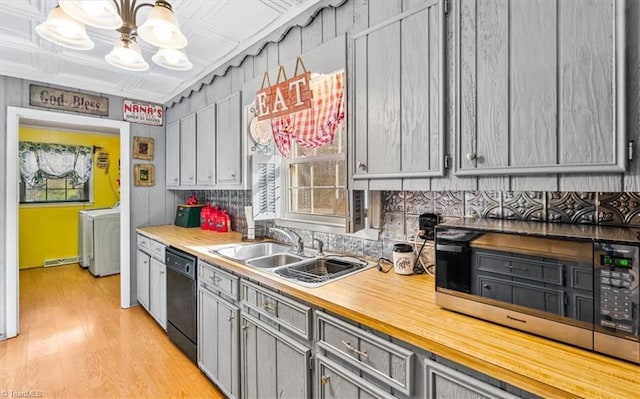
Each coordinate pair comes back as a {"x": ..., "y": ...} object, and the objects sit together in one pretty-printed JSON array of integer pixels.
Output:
[{"x": 41, "y": 160}]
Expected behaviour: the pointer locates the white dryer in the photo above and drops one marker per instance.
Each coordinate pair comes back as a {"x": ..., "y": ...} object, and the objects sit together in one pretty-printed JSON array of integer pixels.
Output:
[
  {"x": 85, "y": 236},
  {"x": 101, "y": 244}
]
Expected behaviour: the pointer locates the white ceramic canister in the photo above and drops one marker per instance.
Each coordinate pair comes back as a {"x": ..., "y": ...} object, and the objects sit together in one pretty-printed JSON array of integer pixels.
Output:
[{"x": 403, "y": 258}]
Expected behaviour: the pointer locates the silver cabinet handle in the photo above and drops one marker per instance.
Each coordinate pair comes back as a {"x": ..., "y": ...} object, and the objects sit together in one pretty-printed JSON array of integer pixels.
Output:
[
  {"x": 267, "y": 305},
  {"x": 354, "y": 350},
  {"x": 471, "y": 156},
  {"x": 361, "y": 165},
  {"x": 245, "y": 326},
  {"x": 230, "y": 317},
  {"x": 215, "y": 280}
]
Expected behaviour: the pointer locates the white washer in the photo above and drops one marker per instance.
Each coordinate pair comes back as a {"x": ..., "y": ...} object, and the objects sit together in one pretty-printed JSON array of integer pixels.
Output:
[
  {"x": 85, "y": 236},
  {"x": 102, "y": 228}
]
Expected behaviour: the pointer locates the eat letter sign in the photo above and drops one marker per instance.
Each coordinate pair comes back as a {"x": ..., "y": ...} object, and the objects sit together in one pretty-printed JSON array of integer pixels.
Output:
[{"x": 286, "y": 97}]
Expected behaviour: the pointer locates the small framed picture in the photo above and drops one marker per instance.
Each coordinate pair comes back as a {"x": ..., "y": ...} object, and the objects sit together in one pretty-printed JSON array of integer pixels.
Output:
[
  {"x": 143, "y": 175},
  {"x": 143, "y": 148}
]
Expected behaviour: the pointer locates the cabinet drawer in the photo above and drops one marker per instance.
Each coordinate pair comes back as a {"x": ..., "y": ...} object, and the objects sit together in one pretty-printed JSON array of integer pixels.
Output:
[
  {"x": 530, "y": 268},
  {"x": 213, "y": 278},
  {"x": 285, "y": 312},
  {"x": 143, "y": 242},
  {"x": 157, "y": 250},
  {"x": 388, "y": 363}
]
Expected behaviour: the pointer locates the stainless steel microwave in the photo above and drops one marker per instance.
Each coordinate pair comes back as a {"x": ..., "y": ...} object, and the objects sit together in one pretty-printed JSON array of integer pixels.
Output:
[{"x": 575, "y": 284}]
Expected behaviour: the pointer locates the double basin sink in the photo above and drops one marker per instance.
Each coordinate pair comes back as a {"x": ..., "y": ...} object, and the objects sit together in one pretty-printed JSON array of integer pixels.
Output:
[{"x": 309, "y": 271}]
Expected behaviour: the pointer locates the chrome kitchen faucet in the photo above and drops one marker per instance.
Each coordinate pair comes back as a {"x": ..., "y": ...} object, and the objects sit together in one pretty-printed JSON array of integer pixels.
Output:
[{"x": 291, "y": 234}]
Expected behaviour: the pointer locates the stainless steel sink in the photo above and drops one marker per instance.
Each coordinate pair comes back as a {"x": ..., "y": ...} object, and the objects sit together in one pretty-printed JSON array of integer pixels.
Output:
[
  {"x": 320, "y": 271},
  {"x": 250, "y": 251},
  {"x": 274, "y": 260}
]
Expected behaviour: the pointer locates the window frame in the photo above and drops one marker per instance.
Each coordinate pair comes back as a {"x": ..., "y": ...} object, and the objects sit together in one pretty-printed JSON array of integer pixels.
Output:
[{"x": 88, "y": 190}]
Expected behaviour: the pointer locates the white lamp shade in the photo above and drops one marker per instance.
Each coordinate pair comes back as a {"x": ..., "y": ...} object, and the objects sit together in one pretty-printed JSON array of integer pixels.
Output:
[
  {"x": 127, "y": 55},
  {"x": 161, "y": 29},
  {"x": 98, "y": 13},
  {"x": 172, "y": 59},
  {"x": 64, "y": 31}
]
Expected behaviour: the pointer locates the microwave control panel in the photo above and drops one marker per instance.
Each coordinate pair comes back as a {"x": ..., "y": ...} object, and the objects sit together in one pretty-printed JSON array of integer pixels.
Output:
[{"x": 617, "y": 268}]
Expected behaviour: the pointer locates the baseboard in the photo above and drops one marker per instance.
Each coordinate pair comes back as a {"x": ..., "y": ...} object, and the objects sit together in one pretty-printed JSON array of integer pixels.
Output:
[{"x": 61, "y": 261}]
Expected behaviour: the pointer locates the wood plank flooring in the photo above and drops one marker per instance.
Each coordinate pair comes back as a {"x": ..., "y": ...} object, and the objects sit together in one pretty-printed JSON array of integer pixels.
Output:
[{"x": 76, "y": 342}]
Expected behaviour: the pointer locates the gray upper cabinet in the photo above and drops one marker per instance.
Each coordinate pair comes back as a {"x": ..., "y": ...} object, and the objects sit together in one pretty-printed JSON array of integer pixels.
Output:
[
  {"x": 173, "y": 155},
  {"x": 398, "y": 78},
  {"x": 229, "y": 152},
  {"x": 188, "y": 150},
  {"x": 206, "y": 146},
  {"x": 539, "y": 87}
]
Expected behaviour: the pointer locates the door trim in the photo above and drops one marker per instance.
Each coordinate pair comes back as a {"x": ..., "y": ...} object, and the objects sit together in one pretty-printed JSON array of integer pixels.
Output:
[{"x": 16, "y": 115}]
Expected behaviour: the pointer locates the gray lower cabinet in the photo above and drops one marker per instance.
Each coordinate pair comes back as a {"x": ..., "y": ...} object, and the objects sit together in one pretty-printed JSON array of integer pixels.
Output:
[
  {"x": 398, "y": 86},
  {"x": 539, "y": 86},
  {"x": 219, "y": 327},
  {"x": 378, "y": 366},
  {"x": 151, "y": 278},
  {"x": 443, "y": 382},
  {"x": 276, "y": 347},
  {"x": 142, "y": 278},
  {"x": 273, "y": 364}
]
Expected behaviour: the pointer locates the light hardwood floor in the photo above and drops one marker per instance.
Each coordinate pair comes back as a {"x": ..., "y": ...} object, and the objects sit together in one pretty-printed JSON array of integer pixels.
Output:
[{"x": 76, "y": 342}]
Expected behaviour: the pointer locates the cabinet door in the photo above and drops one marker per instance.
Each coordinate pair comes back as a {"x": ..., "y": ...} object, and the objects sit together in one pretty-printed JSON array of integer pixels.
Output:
[
  {"x": 539, "y": 87},
  {"x": 157, "y": 291},
  {"x": 399, "y": 96},
  {"x": 173, "y": 154},
  {"x": 229, "y": 141},
  {"x": 274, "y": 365},
  {"x": 188, "y": 150},
  {"x": 206, "y": 146},
  {"x": 445, "y": 382},
  {"x": 142, "y": 278},
  {"x": 218, "y": 342}
]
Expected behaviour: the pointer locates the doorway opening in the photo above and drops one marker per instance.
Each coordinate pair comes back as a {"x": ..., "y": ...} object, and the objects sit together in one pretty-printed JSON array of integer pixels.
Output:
[{"x": 25, "y": 116}]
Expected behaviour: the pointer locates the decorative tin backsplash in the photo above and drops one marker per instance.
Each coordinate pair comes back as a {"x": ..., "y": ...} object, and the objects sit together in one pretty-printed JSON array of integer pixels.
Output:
[{"x": 400, "y": 211}]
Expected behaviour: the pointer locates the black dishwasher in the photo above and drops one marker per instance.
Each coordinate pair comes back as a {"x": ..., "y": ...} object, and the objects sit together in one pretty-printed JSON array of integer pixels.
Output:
[{"x": 181, "y": 301}]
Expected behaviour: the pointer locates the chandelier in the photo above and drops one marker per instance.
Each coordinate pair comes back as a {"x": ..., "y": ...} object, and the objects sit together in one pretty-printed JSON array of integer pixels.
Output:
[{"x": 65, "y": 26}]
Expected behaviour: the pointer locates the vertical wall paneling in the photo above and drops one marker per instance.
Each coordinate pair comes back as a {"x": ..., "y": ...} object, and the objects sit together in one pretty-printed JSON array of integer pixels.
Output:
[
  {"x": 380, "y": 11},
  {"x": 328, "y": 17},
  {"x": 273, "y": 58},
  {"x": 311, "y": 35},
  {"x": 466, "y": 75},
  {"x": 157, "y": 193},
  {"x": 290, "y": 47}
]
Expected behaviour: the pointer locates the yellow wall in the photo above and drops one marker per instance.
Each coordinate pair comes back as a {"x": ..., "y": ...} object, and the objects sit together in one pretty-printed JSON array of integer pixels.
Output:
[{"x": 51, "y": 232}]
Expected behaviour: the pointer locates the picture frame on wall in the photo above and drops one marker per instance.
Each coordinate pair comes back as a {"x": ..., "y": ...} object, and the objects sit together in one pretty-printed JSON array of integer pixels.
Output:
[
  {"x": 143, "y": 175},
  {"x": 143, "y": 148}
]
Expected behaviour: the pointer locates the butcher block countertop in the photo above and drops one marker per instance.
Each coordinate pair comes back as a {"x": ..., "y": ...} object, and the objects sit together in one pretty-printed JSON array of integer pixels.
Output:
[{"x": 404, "y": 307}]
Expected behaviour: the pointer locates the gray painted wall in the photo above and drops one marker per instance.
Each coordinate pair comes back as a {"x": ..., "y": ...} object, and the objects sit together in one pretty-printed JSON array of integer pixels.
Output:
[{"x": 149, "y": 205}]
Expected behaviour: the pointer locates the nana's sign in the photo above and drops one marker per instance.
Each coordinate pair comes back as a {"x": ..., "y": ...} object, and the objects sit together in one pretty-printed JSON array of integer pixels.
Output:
[
  {"x": 291, "y": 95},
  {"x": 48, "y": 97},
  {"x": 137, "y": 112}
]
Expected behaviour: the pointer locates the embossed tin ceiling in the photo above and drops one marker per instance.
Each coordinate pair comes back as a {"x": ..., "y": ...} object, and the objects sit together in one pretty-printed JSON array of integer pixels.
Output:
[{"x": 217, "y": 31}]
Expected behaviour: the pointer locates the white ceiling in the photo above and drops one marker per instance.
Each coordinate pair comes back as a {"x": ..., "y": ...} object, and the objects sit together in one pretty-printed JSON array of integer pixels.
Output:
[{"x": 217, "y": 31}]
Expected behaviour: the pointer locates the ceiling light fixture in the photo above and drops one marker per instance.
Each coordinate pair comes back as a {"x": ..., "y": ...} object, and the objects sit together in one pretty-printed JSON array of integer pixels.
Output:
[{"x": 65, "y": 26}]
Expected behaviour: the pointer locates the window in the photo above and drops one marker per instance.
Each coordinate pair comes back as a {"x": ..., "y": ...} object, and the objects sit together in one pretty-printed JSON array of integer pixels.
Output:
[
  {"x": 55, "y": 190},
  {"x": 52, "y": 173},
  {"x": 316, "y": 181}
]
